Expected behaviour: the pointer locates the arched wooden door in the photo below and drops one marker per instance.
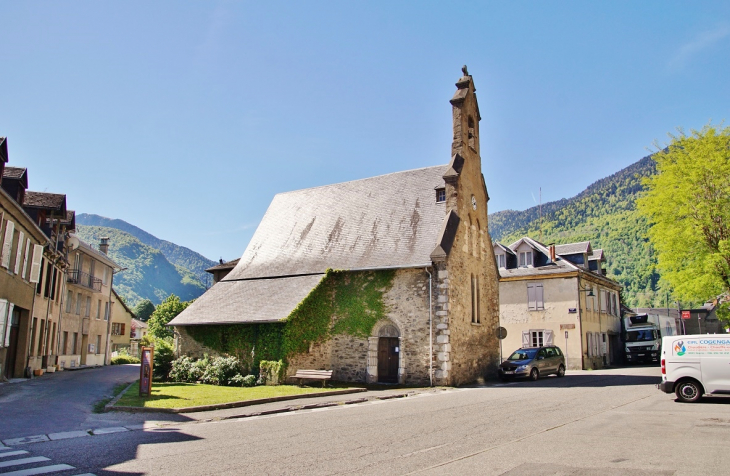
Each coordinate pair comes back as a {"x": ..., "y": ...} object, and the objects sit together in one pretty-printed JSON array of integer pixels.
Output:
[{"x": 388, "y": 354}]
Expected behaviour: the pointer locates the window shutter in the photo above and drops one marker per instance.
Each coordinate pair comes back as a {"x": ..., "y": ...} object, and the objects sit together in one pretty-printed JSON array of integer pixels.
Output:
[
  {"x": 3, "y": 318},
  {"x": 548, "y": 337},
  {"x": 35, "y": 266},
  {"x": 531, "y": 303},
  {"x": 123, "y": 329},
  {"x": 525, "y": 338},
  {"x": 19, "y": 253},
  {"x": 8, "y": 321},
  {"x": 25, "y": 259},
  {"x": 540, "y": 304},
  {"x": 589, "y": 344},
  {"x": 7, "y": 244}
]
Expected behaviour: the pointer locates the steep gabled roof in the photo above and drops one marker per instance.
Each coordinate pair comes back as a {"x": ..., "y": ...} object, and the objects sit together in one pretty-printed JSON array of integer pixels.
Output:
[
  {"x": 536, "y": 245},
  {"x": 573, "y": 248},
  {"x": 504, "y": 248},
  {"x": 251, "y": 301},
  {"x": 597, "y": 255},
  {"x": 55, "y": 202},
  {"x": 16, "y": 173},
  {"x": 226, "y": 265},
  {"x": 387, "y": 221}
]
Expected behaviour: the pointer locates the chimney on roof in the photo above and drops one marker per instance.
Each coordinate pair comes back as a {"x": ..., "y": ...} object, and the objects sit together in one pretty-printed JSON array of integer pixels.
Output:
[
  {"x": 552, "y": 252},
  {"x": 104, "y": 245}
]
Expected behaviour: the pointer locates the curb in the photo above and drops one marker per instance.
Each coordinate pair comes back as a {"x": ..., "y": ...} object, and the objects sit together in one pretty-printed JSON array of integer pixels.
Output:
[
  {"x": 114, "y": 400},
  {"x": 310, "y": 407},
  {"x": 221, "y": 406}
]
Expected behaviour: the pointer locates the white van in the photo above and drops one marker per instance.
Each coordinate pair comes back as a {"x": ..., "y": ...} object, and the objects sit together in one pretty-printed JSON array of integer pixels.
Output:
[{"x": 695, "y": 365}]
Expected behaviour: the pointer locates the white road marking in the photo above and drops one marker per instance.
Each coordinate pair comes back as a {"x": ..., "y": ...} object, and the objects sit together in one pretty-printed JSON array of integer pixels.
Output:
[
  {"x": 42, "y": 470},
  {"x": 17, "y": 462},
  {"x": 13, "y": 453}
]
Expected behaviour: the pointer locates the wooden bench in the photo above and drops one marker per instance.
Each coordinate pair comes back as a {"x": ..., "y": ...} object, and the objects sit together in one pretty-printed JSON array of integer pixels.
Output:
[{"x": 322, "y": 375}]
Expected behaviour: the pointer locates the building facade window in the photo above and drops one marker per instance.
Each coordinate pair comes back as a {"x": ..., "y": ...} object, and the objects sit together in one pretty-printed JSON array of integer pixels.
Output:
[
  {"x": 106, "y": 311},
  {"x": 501, "y": 261},
  {"x": 535, "y": 297},
  {"x": 69, "y": 299},
  {"x": 87, "y": 311},
  {"x": 525, "y": 259},
  {"x": 98, "y": 344},
  {"x": 78, "y": 304},
  {"x": 440, "y": 197}
]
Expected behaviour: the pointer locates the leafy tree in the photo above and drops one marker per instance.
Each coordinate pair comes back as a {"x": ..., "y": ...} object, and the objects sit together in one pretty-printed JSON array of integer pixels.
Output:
[
  {"x": 144, "y": 309},
  {"x": 164, "y": 313},
  {"x": 688, "y": 206}
]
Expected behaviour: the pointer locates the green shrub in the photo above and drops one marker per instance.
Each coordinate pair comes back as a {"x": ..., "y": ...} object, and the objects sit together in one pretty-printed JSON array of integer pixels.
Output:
[
  {"x": 164, "y": 355},
  {"x": 124, "y": 359},
  {"x": 185, "y": 369},
  {"x": 271, "y": 372},
  {"x": 221, "y": 370},
  {"x": 240, "y": 381}
]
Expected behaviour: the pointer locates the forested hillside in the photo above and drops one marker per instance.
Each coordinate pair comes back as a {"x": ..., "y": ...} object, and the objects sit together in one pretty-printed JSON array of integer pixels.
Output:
[
  {"x": 604, "y": 213},
  {"x": 149, "y": 274},
  {"x": 177, "y": 255}
]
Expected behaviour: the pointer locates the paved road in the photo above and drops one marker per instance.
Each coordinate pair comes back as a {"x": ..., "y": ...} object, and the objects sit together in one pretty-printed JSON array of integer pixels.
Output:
[
  {"x": 602, "y": 422},
  {"x": 62, "y": 401}
]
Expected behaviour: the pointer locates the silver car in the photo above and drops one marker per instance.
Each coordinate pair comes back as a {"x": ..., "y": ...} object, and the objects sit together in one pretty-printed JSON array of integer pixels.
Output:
[{"x": 533, "y": 362}]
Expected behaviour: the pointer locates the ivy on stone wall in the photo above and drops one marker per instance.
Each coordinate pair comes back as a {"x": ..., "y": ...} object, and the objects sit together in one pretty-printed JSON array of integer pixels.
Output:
[{"x": 342, "y": 303}]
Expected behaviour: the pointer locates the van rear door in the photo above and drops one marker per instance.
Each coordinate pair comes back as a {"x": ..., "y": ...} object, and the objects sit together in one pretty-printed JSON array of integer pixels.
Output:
[{"x": 716, "y": 365}]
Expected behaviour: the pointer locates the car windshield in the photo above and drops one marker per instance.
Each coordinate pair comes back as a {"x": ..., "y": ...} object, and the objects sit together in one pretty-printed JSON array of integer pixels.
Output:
[
  {"x": 640, "y": 336},
  {"x": 523, "y": 354}
]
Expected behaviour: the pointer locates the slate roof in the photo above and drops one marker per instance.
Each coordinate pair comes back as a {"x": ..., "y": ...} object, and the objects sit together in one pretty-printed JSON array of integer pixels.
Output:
[
  {"x": 227, "y": 265},
  {"x": 387, "y": 221},
  {"x": 253, "y": 301},
  {"x": 15, "y": 173},
  {"x": 597, "y": 255},
  {"x": 573, "y": 248},
  {"x": 560, "y": 266},
  {"x": 51, "y": 201}
]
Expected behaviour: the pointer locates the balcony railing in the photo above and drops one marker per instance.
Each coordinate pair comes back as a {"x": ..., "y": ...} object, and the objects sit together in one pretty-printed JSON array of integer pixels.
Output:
[{"x": 84, "y": 279}]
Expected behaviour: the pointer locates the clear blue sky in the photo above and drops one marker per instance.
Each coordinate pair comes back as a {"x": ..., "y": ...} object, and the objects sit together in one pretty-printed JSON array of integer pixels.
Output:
[{"x": 186, "y": 118}]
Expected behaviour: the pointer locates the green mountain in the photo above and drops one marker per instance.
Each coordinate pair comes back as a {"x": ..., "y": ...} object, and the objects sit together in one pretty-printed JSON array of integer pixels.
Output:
[
  {"x": 149, "y": 274},
  {"x": 177, "y": 255},
  {"x": 604, "y": 213}
]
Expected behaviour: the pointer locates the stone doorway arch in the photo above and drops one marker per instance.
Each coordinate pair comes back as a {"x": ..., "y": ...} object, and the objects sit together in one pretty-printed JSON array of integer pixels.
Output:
[{"x": 385, "y": 363}]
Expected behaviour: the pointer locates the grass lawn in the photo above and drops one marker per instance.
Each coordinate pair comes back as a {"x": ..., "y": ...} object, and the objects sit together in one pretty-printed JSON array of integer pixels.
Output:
[{"x": 179, "y": 395}]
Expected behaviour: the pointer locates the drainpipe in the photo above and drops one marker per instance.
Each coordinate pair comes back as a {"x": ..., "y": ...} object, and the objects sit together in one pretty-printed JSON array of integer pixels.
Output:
[{"x": 430, "y": 329}]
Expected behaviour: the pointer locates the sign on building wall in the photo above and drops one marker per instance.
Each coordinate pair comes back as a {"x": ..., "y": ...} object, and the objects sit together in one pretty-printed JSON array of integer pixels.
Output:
[{"x": 145, "y": 371}]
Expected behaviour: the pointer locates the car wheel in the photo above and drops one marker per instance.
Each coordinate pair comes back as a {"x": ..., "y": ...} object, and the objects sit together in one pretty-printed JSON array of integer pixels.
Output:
[
  {"x": 561, "y": 371},
  {"x": 689, "y": 391},
  {"x": 534, "y": 374}
]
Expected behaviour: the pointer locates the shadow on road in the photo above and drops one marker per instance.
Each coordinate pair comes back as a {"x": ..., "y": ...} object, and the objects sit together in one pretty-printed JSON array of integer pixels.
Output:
[{"x": 587, "y": 381}]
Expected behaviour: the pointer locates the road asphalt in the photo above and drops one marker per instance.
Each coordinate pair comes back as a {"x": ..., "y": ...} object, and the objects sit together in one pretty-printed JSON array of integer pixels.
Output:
[{"x": 613, "y": 422}]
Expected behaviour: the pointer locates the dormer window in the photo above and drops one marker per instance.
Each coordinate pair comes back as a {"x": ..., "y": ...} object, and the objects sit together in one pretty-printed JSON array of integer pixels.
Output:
[
  {"x": 440, "y": 195},
  {"x": 501, "y": 261},
  {"x": 525, "y": 259}
]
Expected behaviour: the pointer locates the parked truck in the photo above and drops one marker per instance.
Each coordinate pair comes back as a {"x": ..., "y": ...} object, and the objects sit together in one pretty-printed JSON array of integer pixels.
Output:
[{"x": 642, "y": 336}]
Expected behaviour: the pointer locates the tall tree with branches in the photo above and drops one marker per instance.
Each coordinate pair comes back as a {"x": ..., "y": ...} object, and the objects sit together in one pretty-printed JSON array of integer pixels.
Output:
[{"x": 688, "y": 205}]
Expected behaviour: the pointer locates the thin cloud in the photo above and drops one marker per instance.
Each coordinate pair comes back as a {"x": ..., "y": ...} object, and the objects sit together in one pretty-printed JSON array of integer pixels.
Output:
[{"x": 701, "y": 42}]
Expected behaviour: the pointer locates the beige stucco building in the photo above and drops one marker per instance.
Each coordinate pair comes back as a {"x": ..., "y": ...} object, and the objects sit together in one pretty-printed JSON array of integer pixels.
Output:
[
  {"x": 427, "y": 226},
  {"x": 121, "y": 331},
  {"x": 559, "y": 295},
  {"x": 85, "y": 325},
  {"x": 22, "y": 243}
]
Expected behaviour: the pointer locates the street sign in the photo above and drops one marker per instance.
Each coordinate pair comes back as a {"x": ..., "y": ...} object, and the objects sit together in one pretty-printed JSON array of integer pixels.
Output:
[
  {"x": 501, "y": 333},
  {"x": 566, "y": 334},
  {"x": 685, "y": 315}
]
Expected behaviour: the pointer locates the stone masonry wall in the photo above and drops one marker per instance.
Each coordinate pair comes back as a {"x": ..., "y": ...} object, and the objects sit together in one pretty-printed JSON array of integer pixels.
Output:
[{"x": 354, "y": 359}]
